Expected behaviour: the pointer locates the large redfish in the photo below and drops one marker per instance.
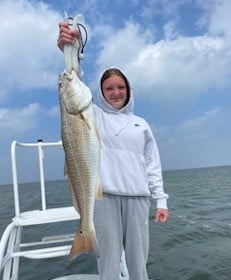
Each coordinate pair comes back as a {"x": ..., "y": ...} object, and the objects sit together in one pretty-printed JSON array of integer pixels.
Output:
[{"x": 82, "y": 148}]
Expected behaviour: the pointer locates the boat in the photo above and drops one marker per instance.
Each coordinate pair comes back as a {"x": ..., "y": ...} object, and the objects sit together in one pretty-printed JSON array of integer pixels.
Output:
[{"x": 13, "y": 248}]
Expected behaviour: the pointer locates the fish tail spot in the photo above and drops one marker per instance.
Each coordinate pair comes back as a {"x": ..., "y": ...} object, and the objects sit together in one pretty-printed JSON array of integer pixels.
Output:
[{"x": 84, "y": 242}]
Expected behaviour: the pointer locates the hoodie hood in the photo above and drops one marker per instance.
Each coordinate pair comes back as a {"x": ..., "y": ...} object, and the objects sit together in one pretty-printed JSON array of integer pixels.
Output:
[{"x": 105, "y": 106}]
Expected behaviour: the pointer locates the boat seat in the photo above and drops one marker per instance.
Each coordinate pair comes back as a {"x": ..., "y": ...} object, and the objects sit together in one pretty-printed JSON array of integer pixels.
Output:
[
  {"x": 79, "y": 277},
  {"x": 51, "y": 215}
]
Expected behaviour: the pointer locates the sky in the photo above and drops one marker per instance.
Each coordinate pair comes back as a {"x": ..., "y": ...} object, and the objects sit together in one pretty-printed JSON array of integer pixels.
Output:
[{"x": 175, "y": 53}]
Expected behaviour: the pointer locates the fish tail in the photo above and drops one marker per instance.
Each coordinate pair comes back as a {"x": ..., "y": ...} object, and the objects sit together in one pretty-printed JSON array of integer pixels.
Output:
[{"x": 84, "y": 243}]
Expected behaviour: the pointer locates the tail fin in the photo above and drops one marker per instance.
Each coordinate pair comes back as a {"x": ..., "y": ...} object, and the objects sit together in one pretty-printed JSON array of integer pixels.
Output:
[{"x": 84, "y": 242}]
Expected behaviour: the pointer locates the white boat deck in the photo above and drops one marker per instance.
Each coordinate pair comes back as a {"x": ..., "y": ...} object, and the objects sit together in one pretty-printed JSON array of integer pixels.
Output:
[{"x": 11, "y": 246}]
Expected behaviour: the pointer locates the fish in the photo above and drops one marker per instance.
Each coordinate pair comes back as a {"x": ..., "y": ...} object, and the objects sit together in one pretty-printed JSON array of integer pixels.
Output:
[{"x": 81, "y": 144}]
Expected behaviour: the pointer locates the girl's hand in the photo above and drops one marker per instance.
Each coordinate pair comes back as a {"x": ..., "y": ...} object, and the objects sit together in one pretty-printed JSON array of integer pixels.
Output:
[
  {"x": 161, "y": 215},
  {"x": 66, "y": 35}
]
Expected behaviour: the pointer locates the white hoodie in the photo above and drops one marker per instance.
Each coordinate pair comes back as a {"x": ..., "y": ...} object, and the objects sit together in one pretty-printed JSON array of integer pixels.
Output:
[{"x": 130, "y": 163}]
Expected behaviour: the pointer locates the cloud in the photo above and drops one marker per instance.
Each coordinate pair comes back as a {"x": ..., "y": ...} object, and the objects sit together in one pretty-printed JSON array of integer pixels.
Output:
[
  {"x": 54, "y": 112},
  {"x": 202, "y": 139},
  {"x": 166, "y": 8},
  {"x": 122, "y": 46},
  {"x": 204, "y": 127},
  {"x": 29, "y": 56},
  {"x": 177, "y": 67},
  {"x": 216, "y": 17},
  {"x": 172, "y": 69},
  {"x": 19, "y": 121}
]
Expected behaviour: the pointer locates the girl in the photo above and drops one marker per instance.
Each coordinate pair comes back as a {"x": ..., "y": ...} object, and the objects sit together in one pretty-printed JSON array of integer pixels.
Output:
[{"x": 130, "y": 173}]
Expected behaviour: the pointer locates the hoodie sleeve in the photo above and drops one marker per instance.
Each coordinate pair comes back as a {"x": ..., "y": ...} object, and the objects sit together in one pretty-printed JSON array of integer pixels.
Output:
[{"x": 154, "y": 170}]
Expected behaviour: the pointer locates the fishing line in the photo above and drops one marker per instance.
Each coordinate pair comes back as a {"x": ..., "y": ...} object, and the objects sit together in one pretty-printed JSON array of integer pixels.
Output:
[
  {"x": 81, "y": 28},
  {"x": 81, "y": 36}
]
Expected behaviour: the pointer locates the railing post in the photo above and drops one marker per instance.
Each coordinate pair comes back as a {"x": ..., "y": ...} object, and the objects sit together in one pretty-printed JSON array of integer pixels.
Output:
[
  {"x": 41, "y": 172},
  {"x": 15, "y": 178}
]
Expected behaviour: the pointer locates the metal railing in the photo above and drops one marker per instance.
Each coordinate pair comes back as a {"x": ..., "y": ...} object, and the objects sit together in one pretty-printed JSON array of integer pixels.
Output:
[{"x": 40, "y": 145}]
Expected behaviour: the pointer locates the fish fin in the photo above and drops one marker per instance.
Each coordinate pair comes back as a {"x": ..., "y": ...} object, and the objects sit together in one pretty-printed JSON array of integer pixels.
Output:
[
  {"x": 85, "y": 119},
  {"x": 74, "y": 201},
  {"x": 99, "y": 191},
  {"x": 97, "y": 132},
  {"x": 84, "y": 243}
]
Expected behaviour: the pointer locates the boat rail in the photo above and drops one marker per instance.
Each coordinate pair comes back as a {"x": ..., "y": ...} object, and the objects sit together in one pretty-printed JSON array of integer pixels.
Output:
[{"x": 11, "y": 246}]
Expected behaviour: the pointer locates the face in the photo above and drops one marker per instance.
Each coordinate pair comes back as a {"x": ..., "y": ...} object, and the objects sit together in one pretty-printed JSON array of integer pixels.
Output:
[{"x": 115, "y": 91}]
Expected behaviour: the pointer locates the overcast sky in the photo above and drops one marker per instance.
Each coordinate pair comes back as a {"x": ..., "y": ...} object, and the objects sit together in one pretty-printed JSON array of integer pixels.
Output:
[{"x": 176, "y": 54}]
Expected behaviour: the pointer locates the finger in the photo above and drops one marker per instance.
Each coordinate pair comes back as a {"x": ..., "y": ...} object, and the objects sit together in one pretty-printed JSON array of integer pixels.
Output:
[
  {"x": 163, "y": 218},
  {"x": 157, "y": 217},
  {"x": 66, "y": 36},
  {"x": 64, "y": 28},
  {"x": 63, "y": 24}
]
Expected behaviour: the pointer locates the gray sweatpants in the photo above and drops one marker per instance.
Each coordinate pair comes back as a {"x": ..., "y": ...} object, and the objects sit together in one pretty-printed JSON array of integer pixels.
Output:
[{"x": 122, "y": 222}]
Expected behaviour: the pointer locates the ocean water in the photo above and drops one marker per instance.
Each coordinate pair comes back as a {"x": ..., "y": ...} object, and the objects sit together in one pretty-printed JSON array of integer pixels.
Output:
[{"x": 195, "y": 243}]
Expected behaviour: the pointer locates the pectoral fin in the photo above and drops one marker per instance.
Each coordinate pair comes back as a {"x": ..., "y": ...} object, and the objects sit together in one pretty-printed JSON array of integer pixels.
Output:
[{"x": 85, "y": 119}]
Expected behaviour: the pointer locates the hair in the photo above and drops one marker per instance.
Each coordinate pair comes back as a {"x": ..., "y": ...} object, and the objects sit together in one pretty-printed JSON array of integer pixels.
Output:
[{"x": 115, "y": 72}]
